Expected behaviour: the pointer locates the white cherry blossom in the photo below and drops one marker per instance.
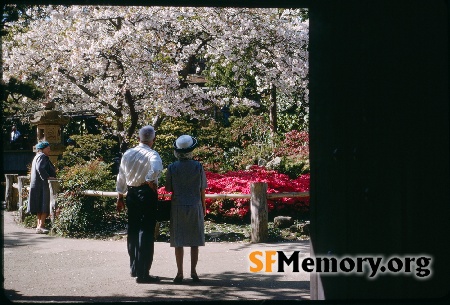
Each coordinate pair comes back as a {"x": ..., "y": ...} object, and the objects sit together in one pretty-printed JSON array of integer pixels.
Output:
[{"x": 123, "y": 60}]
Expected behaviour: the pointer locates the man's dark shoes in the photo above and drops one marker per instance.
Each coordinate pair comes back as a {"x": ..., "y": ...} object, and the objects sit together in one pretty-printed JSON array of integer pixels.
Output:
[{"x": 147, "y": 280}]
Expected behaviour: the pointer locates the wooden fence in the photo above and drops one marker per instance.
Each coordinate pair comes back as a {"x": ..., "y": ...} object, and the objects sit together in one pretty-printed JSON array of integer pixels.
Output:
[{"x": 15, "y": 185}]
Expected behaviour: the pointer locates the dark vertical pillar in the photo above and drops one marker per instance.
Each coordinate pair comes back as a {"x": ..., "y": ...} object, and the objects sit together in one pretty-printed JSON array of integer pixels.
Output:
[{"x": 379, "y": 106}]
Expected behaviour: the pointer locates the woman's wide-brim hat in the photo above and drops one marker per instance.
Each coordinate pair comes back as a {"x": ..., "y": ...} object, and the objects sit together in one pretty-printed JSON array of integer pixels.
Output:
[
  {"x": 185, "y": 143},
  {"x": 42, "y": 145}
]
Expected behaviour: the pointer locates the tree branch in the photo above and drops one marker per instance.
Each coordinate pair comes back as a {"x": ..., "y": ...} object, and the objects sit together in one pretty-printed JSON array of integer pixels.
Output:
[
  {"x": 88, "y": 92},
  {"x": 133, "y": 113}
]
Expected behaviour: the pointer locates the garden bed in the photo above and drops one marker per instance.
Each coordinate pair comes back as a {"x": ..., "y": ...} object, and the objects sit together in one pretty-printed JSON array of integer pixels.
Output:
[
  {"x": 214, "y": 231},
  {"x": 225, "y": 232}
]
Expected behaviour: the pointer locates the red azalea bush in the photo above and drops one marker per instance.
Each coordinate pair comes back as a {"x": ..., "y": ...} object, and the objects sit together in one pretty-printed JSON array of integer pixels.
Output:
[
  {"x": 240, "y": 182},
  {"x": 294, "y": 150},
  {"x": 295, "y": 143}
]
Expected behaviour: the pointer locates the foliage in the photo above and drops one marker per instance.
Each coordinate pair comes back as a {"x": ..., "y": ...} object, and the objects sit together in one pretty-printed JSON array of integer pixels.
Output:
[
  {"x": 240, "y": 182},
  {"x": 236, "y": 232},
  {"x": 87, "y": 216},
  {"x": 29, "y": 220},
  {"x": 245, "y": 142},
  {"x": 234, "y": 147},
  {"x": 221, "y": 148},
  {"x": 294, "y": 167},
  {"x": 215, "y": 145},
  {"x": 294, "y": 151},
  {"x": 15, "y": 91},
  {"x": 295, "y": 143},
  {"x": 224, "y": 75},
  {"x": 85, "y": 125},
  {"x": 166, "y": 135},
  {"x": 87, "y": 148},
  {"x": 292, "y": 112},
  {"x": 18, "y": 15}
]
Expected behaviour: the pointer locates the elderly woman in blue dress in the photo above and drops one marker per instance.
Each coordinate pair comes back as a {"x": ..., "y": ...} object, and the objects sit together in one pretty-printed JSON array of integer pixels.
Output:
[
  {"x": 186, "y": 180},
  {"x": 42, "y": 170}
]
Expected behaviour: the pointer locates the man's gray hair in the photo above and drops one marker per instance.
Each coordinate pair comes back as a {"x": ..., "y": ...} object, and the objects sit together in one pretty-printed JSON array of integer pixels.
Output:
[{"x": 146, "y": 133}]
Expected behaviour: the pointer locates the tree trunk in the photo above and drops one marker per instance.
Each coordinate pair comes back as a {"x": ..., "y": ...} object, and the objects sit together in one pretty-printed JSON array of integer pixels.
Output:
[
  {"x": 185, "y": 71},
  {"x": 273, "y": 110},
  {"x": 133, "y": 114},
  {"x": 157, "y": 121},
  {"x": 123, "y": 143}
]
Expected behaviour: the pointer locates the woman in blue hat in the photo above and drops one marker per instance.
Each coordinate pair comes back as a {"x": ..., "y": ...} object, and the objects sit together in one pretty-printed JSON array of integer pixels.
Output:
[{"x": 42, "y": 169}]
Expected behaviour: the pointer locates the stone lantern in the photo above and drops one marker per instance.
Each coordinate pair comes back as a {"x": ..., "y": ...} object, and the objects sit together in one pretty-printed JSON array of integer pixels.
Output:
[{"x": 49, "y": 124}]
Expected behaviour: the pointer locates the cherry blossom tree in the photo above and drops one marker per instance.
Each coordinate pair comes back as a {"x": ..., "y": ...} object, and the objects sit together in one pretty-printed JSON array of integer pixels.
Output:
[
  {"x": 15, "y": 92},
  {"x": 271, "y": 48},
  {"x": 132, "y": 63}
]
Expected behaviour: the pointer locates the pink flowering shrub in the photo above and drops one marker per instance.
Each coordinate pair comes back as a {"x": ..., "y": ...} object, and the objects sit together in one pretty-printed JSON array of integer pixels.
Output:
[
  {"x": 295, "y": 143},
  {"x": 240, "y": 182},
  {"x": 295, "y": 153}
]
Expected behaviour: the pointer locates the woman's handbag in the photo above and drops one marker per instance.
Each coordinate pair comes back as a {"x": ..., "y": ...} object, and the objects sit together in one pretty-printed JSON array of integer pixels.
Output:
[{"x": 163, "y": 210}]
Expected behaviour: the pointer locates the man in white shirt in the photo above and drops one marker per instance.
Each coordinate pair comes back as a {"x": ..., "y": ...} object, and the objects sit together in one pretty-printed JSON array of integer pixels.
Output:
[{"x": 138, "y": 175}]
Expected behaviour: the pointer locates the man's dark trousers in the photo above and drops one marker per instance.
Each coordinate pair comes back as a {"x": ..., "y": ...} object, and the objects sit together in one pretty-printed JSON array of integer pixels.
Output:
[{"x": 141, "y": 204}]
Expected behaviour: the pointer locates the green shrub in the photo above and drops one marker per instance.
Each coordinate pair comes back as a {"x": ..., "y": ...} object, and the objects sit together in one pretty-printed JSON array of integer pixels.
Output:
[
  {"x": 29, "y": 220},
  {"x": 214, "y": 143},
  {"x": 243, "y": 142},
  {"x": 87, "y": 148},
  {"x": 293, "y": 167},
  {"x": 167, "y": 133},
  {"x": 213, "y": 139},
  {"x": 87, "y": 216},
  {"x": 227, "y": 148}
]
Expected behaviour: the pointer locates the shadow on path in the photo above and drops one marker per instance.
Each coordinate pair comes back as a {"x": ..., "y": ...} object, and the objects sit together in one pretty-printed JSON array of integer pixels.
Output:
[{"x": 230, "y": 286}]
